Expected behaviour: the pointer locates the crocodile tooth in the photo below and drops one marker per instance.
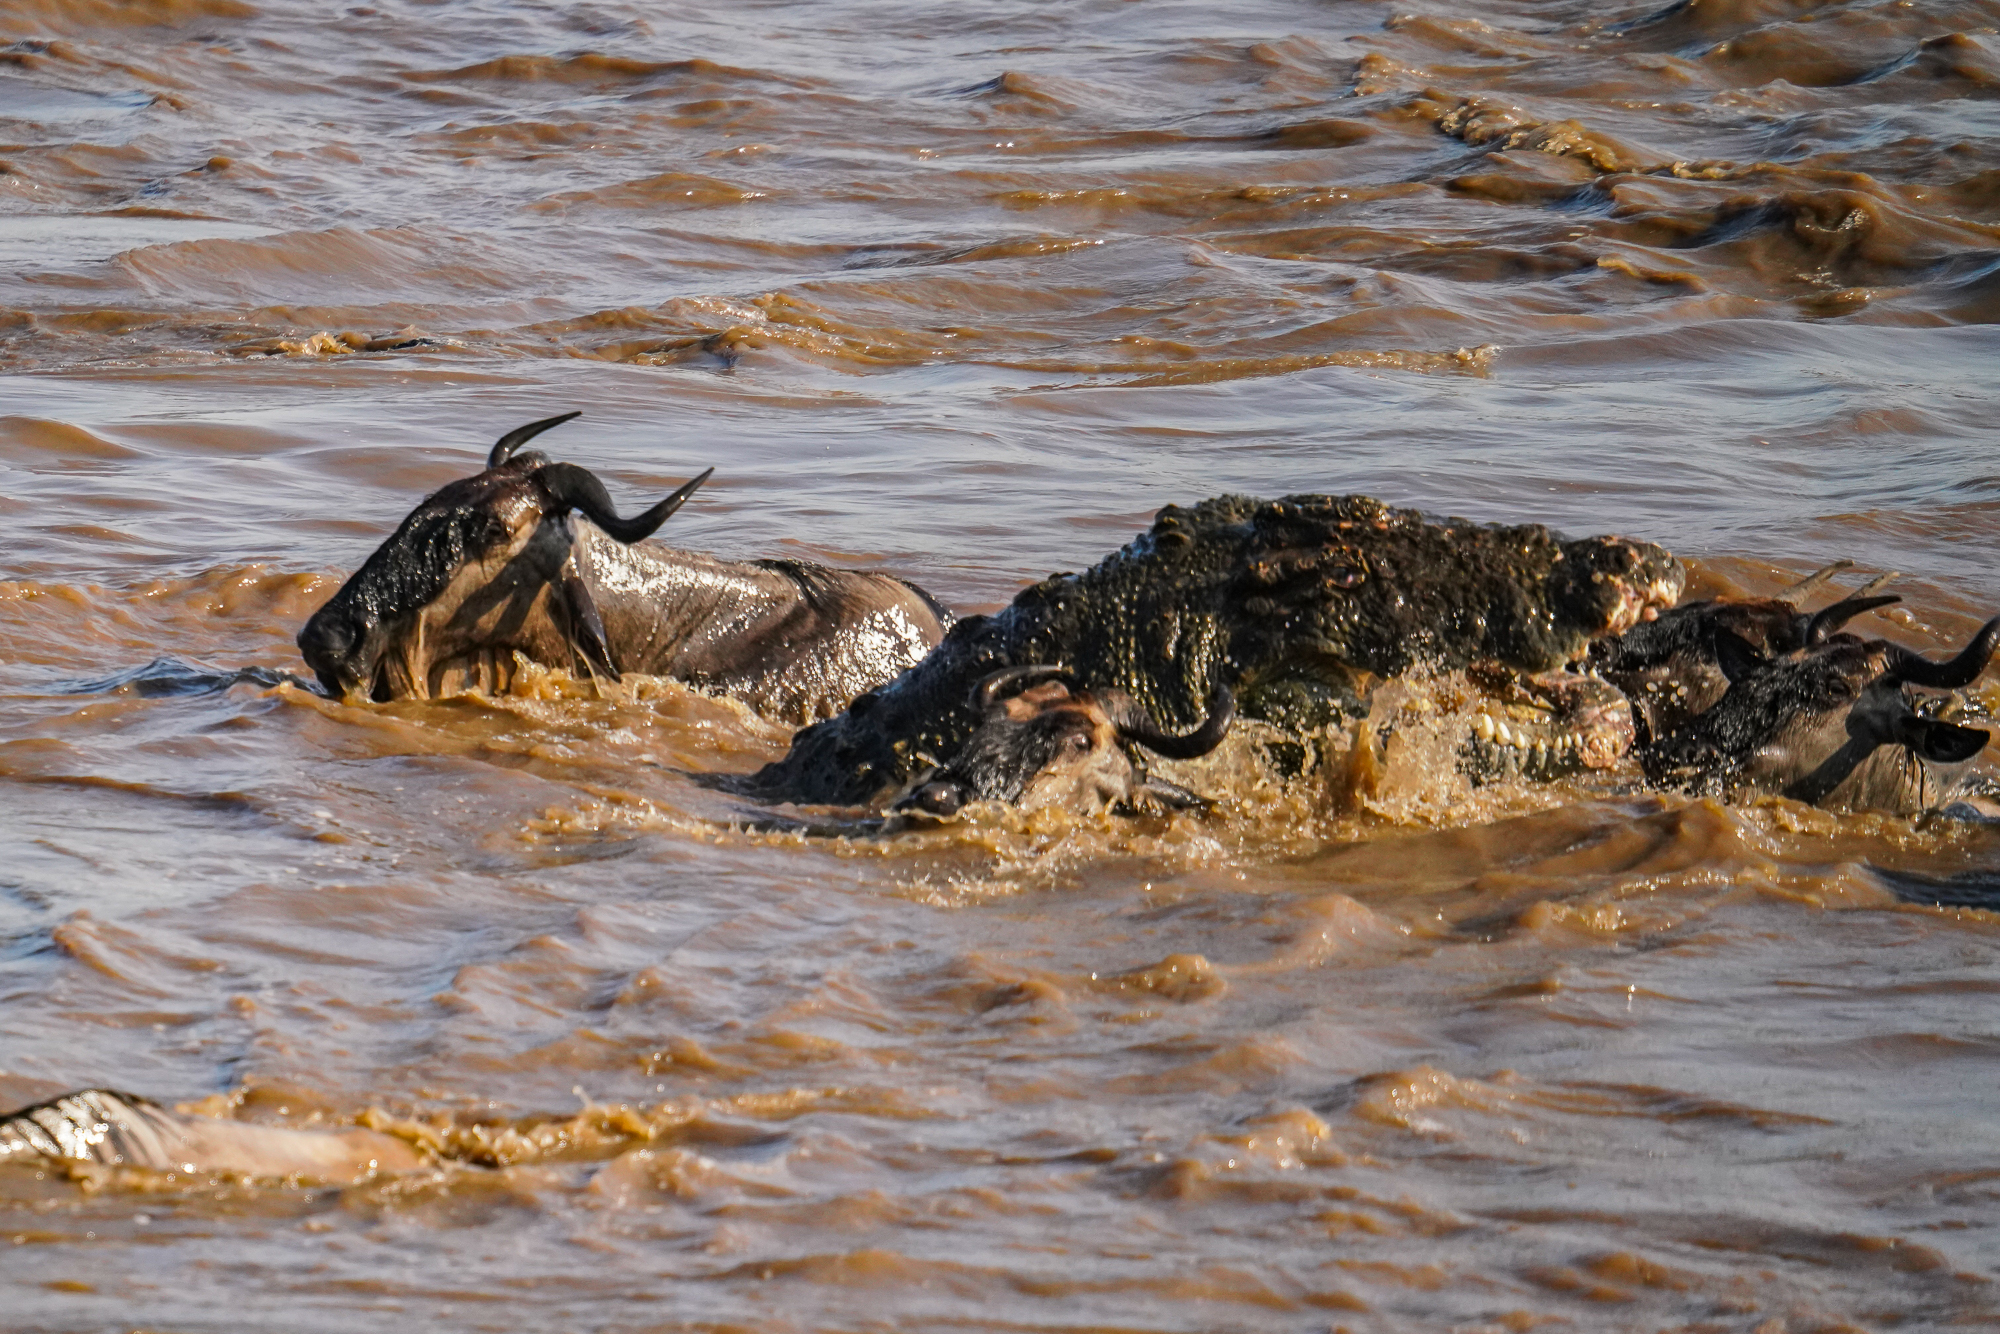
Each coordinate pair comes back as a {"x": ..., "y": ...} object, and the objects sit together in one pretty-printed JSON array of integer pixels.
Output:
[{"x": 1483, "y": 725}]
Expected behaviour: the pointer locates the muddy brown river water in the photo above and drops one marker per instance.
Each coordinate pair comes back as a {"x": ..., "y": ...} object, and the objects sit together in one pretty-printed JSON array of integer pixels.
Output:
[{"x": 965, "y": 292}]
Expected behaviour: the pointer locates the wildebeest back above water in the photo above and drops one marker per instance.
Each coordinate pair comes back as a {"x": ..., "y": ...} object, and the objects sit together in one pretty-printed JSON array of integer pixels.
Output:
[
  {"x": 1295, "y": 604},
  {"x": 529, "y": 557}
]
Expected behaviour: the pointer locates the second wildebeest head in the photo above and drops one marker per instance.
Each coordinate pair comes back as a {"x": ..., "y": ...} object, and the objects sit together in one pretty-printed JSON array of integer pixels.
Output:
[
  {"x": 1045, "y": 741},
  {"x": 1669, "y": 667},
  {"x": 483, "y": 566},
  {"x": 1837, "y": 724}
]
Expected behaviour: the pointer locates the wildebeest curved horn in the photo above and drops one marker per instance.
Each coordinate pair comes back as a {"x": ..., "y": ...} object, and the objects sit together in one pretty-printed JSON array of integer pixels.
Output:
[
  {"x": 1830, "y": 618},
  {"x": 1138, "y": 727},
  {"x": 987, "y": 692},
  {"x": 504, "y": 447},
  {"x": 574, "y": 488},
  {"x": 1876, "y": 585},
  {"x": 1804, "y": 587},
  {"x": 1963, "y": 670}
]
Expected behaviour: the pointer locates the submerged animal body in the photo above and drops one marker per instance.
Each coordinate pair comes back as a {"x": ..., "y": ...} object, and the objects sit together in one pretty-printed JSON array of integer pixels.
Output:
[
  {"x": 104, "y": 1128},
  {"x": 529, "y": 557},
  {"x": 1297, "y": 605}
]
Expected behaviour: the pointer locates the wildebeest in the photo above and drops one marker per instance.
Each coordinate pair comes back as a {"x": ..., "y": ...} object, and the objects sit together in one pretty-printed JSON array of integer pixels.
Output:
[
  {"x": 104, "y": 1128},
  {"x": 1833, "y": 722},
  {"x": 529, "y": 557},
  {"x": 1045, "y": 741},
  {"x": 1670, "y": 669}
]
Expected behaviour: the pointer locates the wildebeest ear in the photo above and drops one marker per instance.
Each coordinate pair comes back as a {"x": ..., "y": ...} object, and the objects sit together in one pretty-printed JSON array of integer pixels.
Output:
[
  {"x": 1735, "y": 657},
  {"x": 1940, "y": 742}
]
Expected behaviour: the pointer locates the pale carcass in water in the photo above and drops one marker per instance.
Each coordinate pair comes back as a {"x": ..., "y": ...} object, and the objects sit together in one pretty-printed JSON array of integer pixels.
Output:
[{"x": 104, "y": 1128}]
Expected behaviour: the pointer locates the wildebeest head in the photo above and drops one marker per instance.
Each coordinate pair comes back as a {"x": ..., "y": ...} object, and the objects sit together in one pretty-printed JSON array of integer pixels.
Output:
[
  {"x": 482, "y": 566},
  {"x": 1835, "y": 723},
  {"x": 1052, "y": 743},
  {"x": 1669, "y": 669}
]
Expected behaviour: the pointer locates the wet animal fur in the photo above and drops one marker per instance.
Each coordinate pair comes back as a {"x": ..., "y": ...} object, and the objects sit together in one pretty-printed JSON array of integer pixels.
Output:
[
  {"x": 1835, "y": 724},
  {"x": 529, "y": 557},
  {"x": 1054, "y": 745}
]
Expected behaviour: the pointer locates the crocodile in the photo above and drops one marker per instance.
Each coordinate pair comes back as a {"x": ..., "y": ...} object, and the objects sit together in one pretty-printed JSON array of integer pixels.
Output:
[{"x": 1298, "y": 606}]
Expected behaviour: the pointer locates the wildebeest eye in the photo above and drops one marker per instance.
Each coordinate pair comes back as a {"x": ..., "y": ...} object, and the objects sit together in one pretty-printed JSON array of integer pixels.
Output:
[
  {"x": 1076, "y": 743},
  {"x": 938, "y": 798}
]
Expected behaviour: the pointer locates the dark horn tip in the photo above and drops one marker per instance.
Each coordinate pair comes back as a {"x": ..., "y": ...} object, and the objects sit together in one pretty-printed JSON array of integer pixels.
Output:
[
  {"x": 649, "y": 523},
  {"x": 504, "y": 447},
  {"x": 575, "y": 488},
  {"x": 1140, "y": 729},
  {"x": 1963, "y": 670},
  {"x": 1830, "y": 618}
]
